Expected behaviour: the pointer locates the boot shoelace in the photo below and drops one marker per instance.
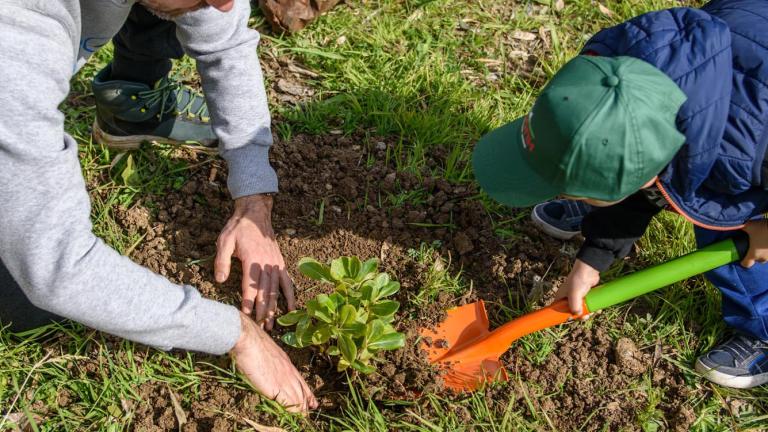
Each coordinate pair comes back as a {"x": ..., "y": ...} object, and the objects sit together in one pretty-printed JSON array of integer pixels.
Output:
[{"x": 174, "y": 99}]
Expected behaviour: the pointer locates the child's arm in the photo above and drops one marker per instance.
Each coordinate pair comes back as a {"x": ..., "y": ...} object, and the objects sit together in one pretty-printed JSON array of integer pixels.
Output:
[{"x": 610, "y": 233}]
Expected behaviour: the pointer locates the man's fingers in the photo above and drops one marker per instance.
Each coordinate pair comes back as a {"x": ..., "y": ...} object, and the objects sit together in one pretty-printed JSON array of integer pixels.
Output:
[
  {"x": 225, "y": 247},
  {"x": 288, "y": 290},
  {"x": 263, "y": 293},
  {"x": 294, "y": 398},
  {"x": 250, "y": 286},
  {"x": 274, "y": 289},
  {"x": 309, "y": 395},
  {"x": 308, "y": 398}
]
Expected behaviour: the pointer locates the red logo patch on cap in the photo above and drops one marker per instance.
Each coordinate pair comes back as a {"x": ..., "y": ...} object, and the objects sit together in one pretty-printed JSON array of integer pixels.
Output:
[{"x": 527, "y": 133}]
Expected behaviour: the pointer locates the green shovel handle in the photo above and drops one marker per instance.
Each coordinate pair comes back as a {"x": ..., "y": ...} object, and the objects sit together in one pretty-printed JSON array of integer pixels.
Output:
[{"x": 644, "y": 281}]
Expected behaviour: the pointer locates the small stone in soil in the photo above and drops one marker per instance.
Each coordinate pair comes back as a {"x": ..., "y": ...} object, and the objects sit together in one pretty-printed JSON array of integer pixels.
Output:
[{"x": 463, "y": 243}]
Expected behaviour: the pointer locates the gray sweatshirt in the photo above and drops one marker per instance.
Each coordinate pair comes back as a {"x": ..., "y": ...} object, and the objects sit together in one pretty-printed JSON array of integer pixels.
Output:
[{"x": 46, "y": 240}]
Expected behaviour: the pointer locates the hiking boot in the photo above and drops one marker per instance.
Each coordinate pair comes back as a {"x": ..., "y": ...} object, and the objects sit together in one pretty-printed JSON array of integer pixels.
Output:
[
  {"x": 129, "y": 113},
  {"x": 293, "y": 15},
  {"x": 560, "y": 219},
  {"x": 739, "y": 362}
]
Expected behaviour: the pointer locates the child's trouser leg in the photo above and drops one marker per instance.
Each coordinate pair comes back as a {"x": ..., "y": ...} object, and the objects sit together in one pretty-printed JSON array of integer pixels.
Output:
[{"x": 745, "y": 291}]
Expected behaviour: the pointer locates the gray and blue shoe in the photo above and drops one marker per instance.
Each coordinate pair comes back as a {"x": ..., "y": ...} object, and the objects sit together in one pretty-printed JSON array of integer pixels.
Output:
[
  {"x": 560, "y": 219},
  {"x": 130, "y": 113},
  {"x": 739, "y": 362}
]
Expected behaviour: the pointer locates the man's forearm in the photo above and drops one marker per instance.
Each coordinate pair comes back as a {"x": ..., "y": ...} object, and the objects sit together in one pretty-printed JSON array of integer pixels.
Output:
[
  {"x": 225, "y": 50},
  {"x": 46, "y": 238}
]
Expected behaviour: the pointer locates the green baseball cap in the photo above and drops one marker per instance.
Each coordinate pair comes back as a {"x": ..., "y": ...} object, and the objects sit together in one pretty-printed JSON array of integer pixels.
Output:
[{"x": 601, "y": 129}]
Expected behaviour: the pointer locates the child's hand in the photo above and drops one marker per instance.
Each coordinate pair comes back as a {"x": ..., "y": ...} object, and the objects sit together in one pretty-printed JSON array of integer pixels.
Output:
[
  {"x": 580, "y": 280},
  {"x": 758, "y": 243}
]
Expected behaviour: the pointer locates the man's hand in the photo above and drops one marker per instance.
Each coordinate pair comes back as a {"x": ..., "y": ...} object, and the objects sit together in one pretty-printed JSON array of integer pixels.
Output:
[
  {"x": 758, "y": 243},
  {"x": 248, "y": 236},
  {"x": 269, "y": 369},
  {"x": 581, "y": 279}
]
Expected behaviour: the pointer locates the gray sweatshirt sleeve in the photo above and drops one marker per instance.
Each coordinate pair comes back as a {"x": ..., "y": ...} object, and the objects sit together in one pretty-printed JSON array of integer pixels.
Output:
[
  {"x": 46, "y": 238},
  {"x": 225, "y": 50}
]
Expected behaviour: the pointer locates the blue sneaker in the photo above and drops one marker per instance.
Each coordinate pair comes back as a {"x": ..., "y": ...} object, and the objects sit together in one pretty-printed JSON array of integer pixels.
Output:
[
  {"x": 739, "y": 362},
  {"x": 560, "y": 219}
]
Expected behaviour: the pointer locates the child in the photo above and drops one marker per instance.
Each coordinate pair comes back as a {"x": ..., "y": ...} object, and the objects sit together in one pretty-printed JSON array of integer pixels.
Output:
[{"x": 666, "y": 110}]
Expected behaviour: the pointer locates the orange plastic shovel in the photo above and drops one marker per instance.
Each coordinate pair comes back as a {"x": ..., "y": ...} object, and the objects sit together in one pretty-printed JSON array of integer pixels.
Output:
[{"x": 467, "y": 353}]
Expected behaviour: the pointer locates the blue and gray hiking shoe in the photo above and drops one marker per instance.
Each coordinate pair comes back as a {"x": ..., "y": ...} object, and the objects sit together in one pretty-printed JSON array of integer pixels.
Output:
[
  {"x": 560, "y": 219},
  {"x": 129, "y": 113},
  {"x": 739, "y": 362}
]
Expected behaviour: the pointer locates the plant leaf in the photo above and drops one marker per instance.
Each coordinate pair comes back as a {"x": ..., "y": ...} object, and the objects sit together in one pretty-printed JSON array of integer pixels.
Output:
[
  {"x": 302, "y": 326},
  {"x": 364, "y": 355},
  {"x": 345, "y": 268},
  {"x": 325, "y": 309},
  {"x": 337, "y": 299},
  {"x": 324, "y": 316},
  {"x": 291, "y": 318},
  {"x": 333, "y": 350},
  {"x": 381, "y": 280},
  {"x": 129, "y": 174},
  {"x": 385, "y": 307},
  {"x": 354, "y": 330},
  {"x": 290, "y": 339},
  {"x": 324, "y": 300},
  {"x": 363, "y": 367},
  {"x": 343, "y": 365},
  {"x": 312, "y": 306},
  {"x": 347, "y": 347},
  {"x": 321, "y": 335},
  {"x": 367, "y": 269},
  {"x": 375, "y": 330},
  {"x": 313, "y": 269},
  {"x": 367, "y": 292},
  {"x": 388, "y": 289},
  {"x": 388, "y": 342},
  {"x": 347, "y": 315}
]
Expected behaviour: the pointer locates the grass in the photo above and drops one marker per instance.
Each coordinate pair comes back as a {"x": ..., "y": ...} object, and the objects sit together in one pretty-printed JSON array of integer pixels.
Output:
[{"x": 436, "y": 74}]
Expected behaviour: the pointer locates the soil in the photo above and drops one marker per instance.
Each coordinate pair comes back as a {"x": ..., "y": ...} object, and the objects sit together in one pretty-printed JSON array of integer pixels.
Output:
[{"x": 326, "y": 209}]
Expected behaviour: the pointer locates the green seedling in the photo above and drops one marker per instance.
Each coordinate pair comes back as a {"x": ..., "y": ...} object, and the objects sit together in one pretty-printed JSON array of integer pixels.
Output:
[{"x": 355, "y": 321}]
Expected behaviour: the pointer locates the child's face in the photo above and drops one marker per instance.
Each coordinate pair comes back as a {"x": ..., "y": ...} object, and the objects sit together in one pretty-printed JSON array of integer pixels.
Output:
[{"x": 600, "y": 203}]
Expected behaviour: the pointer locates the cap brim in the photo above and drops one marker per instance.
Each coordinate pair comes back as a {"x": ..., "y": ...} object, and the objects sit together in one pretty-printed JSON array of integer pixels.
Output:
[{"x": 501, "y": 167}]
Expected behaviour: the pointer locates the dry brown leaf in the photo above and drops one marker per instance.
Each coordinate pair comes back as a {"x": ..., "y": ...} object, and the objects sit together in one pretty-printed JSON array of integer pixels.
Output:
[
  {"x": 301, "y": 71},
  {"x": 518, "y": 53},
  {"x": 291, "y": 87},
  {"x": 604, "y": 10},
  {"x": 262, "y": 428},
  {"x": 181, "y": 417},
  {"x": 545, "y": 37},
  {"x": 523, "y": 35},
  {"x": 19, "y": 422},
  {"x": 489, "y": 62}
]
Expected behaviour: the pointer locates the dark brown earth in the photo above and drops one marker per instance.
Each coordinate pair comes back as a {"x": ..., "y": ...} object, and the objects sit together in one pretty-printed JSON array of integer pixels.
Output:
[{"x": 587, "y": 375}]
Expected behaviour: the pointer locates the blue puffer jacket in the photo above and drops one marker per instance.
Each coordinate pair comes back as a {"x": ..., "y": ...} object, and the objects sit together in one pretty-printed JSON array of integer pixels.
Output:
[{"x": 718, "y": 56}]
